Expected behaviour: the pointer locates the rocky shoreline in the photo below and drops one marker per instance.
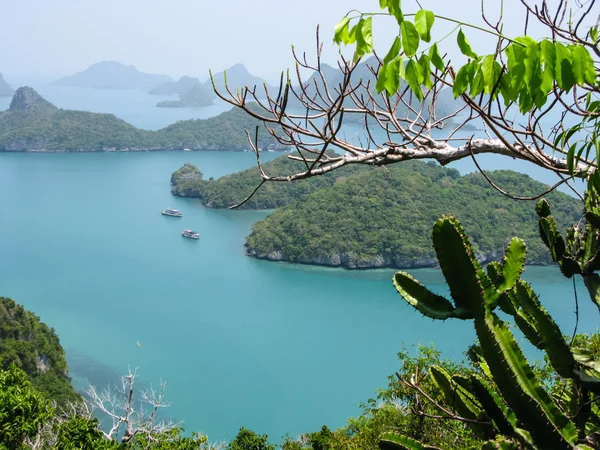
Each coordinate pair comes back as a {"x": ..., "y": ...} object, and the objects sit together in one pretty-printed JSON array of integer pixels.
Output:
[{"x": 378, "y": 262}]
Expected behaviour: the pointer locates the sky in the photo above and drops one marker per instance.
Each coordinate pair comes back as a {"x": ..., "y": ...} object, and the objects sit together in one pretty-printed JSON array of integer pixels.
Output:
[{"x": 52, "y": 38}]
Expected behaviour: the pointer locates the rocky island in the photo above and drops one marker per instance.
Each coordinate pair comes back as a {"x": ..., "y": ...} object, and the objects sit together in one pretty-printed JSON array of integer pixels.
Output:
[
  {"x": 36, "y": 125},
  {"x": 376, "y": 217},
  {"x": 5, "y": 88}
]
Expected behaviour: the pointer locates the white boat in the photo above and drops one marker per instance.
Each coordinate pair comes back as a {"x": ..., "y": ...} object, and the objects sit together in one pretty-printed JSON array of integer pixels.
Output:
[
  {"x": 171, "y": 212},
  {"x": 190, "y": 234}
]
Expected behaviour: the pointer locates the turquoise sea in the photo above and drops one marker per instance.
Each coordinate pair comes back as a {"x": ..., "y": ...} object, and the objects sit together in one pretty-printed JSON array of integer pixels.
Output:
[{"x": 274, "y": 347}]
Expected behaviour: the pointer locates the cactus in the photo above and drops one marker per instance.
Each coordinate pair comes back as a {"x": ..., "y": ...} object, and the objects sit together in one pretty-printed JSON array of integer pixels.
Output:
[
  {"x": 579, "y": 252},
  {"x": 517, "y": 406}
]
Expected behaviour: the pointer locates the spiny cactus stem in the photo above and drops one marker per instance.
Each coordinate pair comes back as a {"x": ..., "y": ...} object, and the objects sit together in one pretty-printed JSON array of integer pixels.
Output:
[{"x": 448, "y": 414}]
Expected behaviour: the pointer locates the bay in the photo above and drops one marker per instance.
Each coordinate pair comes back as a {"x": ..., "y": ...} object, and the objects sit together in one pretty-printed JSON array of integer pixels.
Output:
[{"x": 278, "y": 348}]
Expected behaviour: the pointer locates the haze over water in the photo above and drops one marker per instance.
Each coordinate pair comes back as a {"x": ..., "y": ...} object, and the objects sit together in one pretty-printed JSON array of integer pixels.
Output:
[{"x": 274, "y": 347}]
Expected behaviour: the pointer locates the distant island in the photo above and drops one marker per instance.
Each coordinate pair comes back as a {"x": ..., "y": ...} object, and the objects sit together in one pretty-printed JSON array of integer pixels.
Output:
[
  {"x": 376, "y": 217},
  {"x": 6, "y": 89},
  {"x": 189, "y": 90},
  {"x": 237, "y": 77},
  {"x": 113, "y": 75},
  {"x": 35, "y": 125}
]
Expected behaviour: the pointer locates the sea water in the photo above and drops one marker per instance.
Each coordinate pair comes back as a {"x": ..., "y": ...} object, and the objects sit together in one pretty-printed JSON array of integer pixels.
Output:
[{"x": 275, "y": 347}]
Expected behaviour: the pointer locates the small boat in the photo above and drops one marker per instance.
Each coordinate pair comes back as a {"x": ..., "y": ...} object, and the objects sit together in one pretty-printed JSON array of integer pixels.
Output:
[
  {"x": 171, "y": 212},
  {"x": 190, "y": 234}
]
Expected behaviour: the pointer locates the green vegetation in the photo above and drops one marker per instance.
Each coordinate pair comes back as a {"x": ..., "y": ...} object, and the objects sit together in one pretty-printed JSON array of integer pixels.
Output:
[
  {"x": 249, "y": 440},
  {"x": 35, "y": 348},
  {"x": 233, "y": 189},
  {"x": 380, "y": 217},
  {"x": 34, "y": 124}
]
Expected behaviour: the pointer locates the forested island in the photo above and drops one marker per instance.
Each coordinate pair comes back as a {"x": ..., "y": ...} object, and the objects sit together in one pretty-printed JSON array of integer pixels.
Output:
[
  {"x": 36, "y": 125},
  {"x": 231, "y": 189},
  {"x": 365, "y": 217}
]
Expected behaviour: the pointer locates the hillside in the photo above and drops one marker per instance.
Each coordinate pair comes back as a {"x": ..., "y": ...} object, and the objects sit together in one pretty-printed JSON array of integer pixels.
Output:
[
  {"x": 113, "y": 75},
  {"x": 5, "y": 88},
  {"x": 232, "y": 189},
  {"x": 34, "y": 124},
  {"x": 383, "y": 218},
  {"x": 36, "y": 349}
]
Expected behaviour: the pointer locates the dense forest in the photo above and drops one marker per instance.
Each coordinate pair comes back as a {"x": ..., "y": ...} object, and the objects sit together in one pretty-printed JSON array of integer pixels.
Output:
[
  {"x": 34, "y": 124},
  {"x": 381, "y": 218}
]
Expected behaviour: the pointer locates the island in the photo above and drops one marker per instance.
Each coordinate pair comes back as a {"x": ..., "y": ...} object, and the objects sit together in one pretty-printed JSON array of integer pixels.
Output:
[
  {"x": 234, "y": 188},
  {"x": 238, "y": 77},
  {"x": 6, "y": 89},
  {"x": 33, "y": 124},
  {"x": 113, "y": 75},
  {"x": 366, "y": 217},
  {"x": 189, "y": 91},
  {"x": 382, "y": 217}
]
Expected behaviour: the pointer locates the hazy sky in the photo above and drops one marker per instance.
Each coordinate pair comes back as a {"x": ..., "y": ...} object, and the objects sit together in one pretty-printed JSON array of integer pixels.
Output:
[{"x": 51, "y": 38}]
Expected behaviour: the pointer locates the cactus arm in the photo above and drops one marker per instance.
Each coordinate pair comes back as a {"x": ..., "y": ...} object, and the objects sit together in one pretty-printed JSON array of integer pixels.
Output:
[
  {"x": 425, "y": 301},
  {"x": 519, "y": 387},
  {"x": 512, "y": 263},
  {"x": 459, "y": 399},
  {"x": 555, "y": 345},
  {"x": 592, "y": 283},
  {"x": 392, "y": 441},
  {"x": 493, "y": 405},
  {"x": 552, "y": 238},
  {"x": 464, "y": 275}
]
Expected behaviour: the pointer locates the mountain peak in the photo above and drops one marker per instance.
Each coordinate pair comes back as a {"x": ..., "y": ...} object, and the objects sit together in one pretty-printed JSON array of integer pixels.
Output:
[{"x": 26, "y": 99}]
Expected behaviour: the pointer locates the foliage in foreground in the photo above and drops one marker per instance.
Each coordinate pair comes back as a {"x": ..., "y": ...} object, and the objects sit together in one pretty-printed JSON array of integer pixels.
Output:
[{"x": 507, "y": 401}]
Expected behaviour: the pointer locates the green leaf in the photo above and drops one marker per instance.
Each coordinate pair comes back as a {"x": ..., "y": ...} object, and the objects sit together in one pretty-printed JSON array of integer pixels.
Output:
[
  {"x": 412, "y": 77},
  {"x": 462, "y": 80},
  {"x": 423, "y": 22},
  {"x": 410, "y": 38},
  {"x": 564, "y": 70},
  {"x": 395, "y": 10},
  {"x": 464, "y": 45},
  {"x": 436, "y": 59},
  {"x": 388, "y": 78},
  {"x": 425, "y": 71},
  {"x": 583, "y": 66},
  {"x": 394, "y": 50},
  {"x": 548, "y": 52},
  {"x": 340, "y": 33}
]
